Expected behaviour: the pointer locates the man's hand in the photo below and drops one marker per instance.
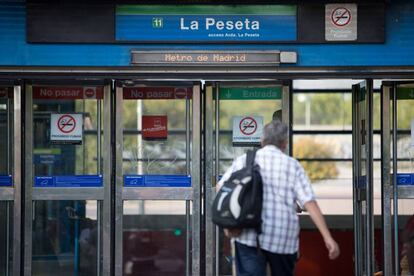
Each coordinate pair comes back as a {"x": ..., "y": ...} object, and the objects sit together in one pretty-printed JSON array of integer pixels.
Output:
[
  {"x": 232, "y": 233},
  {"x": 333, "y": 248}
]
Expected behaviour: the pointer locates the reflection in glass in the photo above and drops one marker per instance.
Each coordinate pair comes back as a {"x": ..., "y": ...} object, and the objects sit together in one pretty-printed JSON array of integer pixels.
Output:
[
  {"x": 65, "y": 238},
  {"x": 154, "y": 238}
]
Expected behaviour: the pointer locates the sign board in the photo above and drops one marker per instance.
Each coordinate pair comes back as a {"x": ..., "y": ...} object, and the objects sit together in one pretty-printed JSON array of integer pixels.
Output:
[
  {"x": 341, "y": 22},
  {"x": 251, "y": 93},
  {"x": 5, "y": 92},
  {"x": 66, "y": 128},
  {"x": 405, "y": 93},
  {"x": 47, "y": 156},
  {"x": 216, "y": 58},
  {"x": 157, "y": 181},
  {"x": 6, "y": 181},
  {"x": 67, "y": 92},
  {"x": 205, "y": 23},
  {"x": 247, "y": 130},
  {"x": 154, "y": 127},
  {"x": 69, "y": 181},
  {"x": 405, "y": 179},
  {"x": 157, "y": 93}
]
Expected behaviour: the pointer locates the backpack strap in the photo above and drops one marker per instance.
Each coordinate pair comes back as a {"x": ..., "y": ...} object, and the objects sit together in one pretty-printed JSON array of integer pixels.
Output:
[{"x": 250, "y": 157}]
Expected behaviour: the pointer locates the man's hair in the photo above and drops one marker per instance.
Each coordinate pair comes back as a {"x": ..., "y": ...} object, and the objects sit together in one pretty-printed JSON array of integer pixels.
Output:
[{"x": 275, "y": 133}]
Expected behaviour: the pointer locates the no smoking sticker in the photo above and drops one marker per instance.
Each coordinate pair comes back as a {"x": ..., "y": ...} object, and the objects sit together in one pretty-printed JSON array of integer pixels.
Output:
[
  {"x": 341, "y": 22},
  {"x": 341, "y": 17},
  {"x": 66, "y": 128},
  {"x": 247, "y": 130}
]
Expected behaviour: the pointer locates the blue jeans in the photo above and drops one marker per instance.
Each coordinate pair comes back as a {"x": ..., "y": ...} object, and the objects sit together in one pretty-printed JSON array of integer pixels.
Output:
[{"x": 250, "y": 262}]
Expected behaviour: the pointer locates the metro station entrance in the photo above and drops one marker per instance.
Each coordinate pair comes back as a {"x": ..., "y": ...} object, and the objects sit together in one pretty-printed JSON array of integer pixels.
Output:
[
  {"x": 119, "y": 175},
  {"x": 235, "y": 113}
]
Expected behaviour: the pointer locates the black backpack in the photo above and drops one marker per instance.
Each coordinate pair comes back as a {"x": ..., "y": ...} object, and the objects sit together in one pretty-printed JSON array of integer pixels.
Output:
[{"x": 238, "y": 204}]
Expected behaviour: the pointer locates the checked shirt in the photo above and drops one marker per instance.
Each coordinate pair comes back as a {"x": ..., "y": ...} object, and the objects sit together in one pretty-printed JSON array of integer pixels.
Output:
[{"x": 284, "y": 183}]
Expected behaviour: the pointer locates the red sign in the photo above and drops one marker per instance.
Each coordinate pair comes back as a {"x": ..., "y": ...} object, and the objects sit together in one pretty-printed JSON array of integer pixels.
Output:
[
  {"x": 341, "y": 17},
  {"x": 66, "y": 123},
  {"x": 67, "y": 92},
  {"x": 5, "y": 92},
  {"x": 248, "y": 126},
  {"x": 154, "y": 127},
  {"x": 157, "y": 93}
]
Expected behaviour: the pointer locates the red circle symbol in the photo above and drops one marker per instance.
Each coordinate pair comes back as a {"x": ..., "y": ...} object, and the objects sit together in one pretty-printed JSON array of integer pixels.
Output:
[
  {"x": 180, "y": 93},
  {"x": 341, "y": 17},
  {"x": 248, "y": 126},
  {"x": 66, "y": 124},
  {"x": 90, "y": 92}
]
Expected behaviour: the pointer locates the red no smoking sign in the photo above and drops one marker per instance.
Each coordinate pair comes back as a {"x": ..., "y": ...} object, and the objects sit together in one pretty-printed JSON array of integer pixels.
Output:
[
  {"x": 341, "y": 16},
  {"x": 248, "y": 126},
  {"x": 247, "y": 130},
  {"x": 66, "y": 123},
  {"x": 66, "y": 128}
]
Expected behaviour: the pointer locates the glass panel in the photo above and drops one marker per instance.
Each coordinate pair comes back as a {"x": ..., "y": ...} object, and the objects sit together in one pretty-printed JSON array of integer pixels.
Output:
[
  {"x": 6, "y": 118},
  {"x": 65, "y": 238},
  {"x": 6, "y": 236},
  {"x": 154, "y": 238},
  {"x": 151, "y": 155},
  {"x": 322, "y": 111},
  {"x": 64, "y": 159},
  {"x": 228, "y": 109}
]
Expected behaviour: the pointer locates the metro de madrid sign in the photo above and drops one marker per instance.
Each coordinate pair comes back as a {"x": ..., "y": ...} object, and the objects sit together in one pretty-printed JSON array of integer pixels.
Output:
[{"x": 206, "y": 23}]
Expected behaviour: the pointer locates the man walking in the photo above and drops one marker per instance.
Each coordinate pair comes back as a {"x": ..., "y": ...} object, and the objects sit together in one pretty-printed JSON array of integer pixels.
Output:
[{"x": 284, "y": 183}]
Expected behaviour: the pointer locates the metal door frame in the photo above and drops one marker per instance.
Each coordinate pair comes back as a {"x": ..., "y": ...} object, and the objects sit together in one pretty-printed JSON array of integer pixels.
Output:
[
  {"x": 193, "y": 163},
  {"x": 102, "y": 194},
  {"x": 389, "y": 132},
  {"x": 361, "y": 243},
  {"x": 212, "y": 158},
  {"x": 14, "y": 194}
]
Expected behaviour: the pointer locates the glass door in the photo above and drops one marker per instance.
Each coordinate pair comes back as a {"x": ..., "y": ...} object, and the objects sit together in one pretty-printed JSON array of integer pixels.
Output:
[
  {"x": 398, "y": 168},
  {"x": 10, "y": 178},
  {"x": 363, "y": 178},
  {"x": 235, "y": 115},
  {"x": 158, "y": 148},
  {"x": 67, "y": 198}
]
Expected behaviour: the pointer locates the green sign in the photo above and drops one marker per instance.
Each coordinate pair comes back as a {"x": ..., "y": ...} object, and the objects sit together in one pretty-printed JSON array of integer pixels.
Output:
[
  {"x": 405, "y": 93},
  {"x": 54, "y": 151},
  {"x": 251, "y": 93}
]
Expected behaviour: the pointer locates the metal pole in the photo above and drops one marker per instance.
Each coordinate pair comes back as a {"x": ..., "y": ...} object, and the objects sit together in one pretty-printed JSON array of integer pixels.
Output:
[
  {"x": 188, "y": 171},
  {"x": 217, "y": 168},
  {"x": 99, "y": 172},
  {"x": 370, "y": 183},
  {"x": 28, "y": 218},
  {"x": 106, "y": 171},
  {"x": 9, "y": 171},
  {"x": 195, "y": 173},
  {"x": 17, "y": 180},
  {"x": 118, "y": 180},
  {"x": 210, "y": 228},
  {"x": 356, "y": 141},
  {"x": 386, "y": 180},
  {"x": 394, "y": 176}
]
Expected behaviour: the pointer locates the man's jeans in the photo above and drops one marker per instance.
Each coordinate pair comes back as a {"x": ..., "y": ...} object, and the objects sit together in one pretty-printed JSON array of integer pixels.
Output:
[{"x": 249, "y": 262}]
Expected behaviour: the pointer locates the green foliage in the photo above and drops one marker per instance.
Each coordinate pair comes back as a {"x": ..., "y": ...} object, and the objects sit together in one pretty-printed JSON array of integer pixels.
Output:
[{"x": 309, "y": 148}]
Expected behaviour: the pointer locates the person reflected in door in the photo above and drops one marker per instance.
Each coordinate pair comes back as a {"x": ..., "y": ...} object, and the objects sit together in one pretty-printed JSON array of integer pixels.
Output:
[{"x": 284, "y": 183}]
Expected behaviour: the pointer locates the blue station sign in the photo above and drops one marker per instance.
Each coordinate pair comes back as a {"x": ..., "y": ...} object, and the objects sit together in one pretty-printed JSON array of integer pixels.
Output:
[
  {"x": 6, "y": 181},
  {"x": 157, "y": 181},
  {"x": 69, "y": 181},
  {"x": 206, "y": 23}
]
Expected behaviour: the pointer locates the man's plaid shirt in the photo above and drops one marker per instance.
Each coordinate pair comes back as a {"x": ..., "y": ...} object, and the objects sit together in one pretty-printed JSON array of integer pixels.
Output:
[{"x": 284, "y": 183}]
